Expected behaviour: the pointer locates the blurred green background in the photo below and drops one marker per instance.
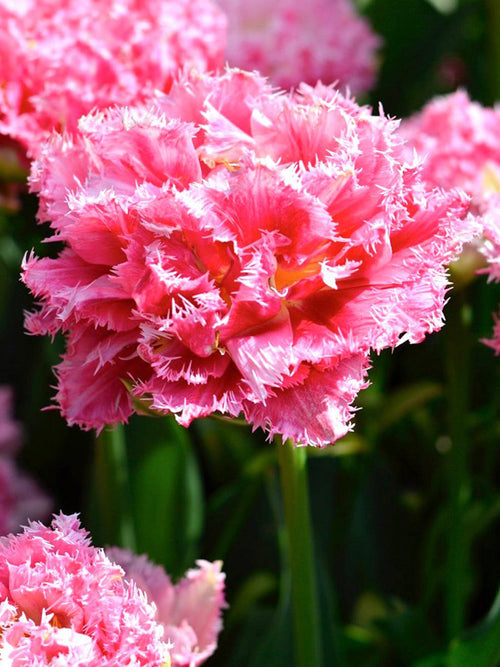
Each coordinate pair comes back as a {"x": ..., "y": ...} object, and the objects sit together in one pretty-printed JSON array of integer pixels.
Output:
[{"x": 406, "y": 510}]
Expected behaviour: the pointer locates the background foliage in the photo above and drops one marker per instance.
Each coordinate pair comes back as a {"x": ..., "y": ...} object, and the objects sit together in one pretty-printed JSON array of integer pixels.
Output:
[{"x": 406, "y": 510}]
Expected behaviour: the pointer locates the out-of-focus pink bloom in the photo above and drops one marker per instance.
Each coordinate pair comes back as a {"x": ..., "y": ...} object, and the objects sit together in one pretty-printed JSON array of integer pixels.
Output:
[
  {"x": 60, "y": 59},
  {"x": 64, "y": 603},
  {"x": 293, "y": 42},
  {"x": 10, "y": 430},
  {"x": 490, "y": 245},
  {"x": 233, "y": 250},
  {"x": 190, "y": 611},
  {"x": 460, "y": 141},
  {"x": 20, "y": 497}
]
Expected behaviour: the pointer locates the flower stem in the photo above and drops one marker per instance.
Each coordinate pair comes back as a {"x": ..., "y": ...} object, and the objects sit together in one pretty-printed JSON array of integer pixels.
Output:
[
  {"x": 458, "y": 353},
  {"x": 293, "y": 476},
  {"x": 114, "y": 501},
  {"x": 493, "y": 9}
]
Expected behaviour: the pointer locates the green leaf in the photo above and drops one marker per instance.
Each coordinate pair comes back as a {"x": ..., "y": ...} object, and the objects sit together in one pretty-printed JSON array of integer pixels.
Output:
[
  {"x": 480, "y": 647},
  {"x": 166, "y": 493}
]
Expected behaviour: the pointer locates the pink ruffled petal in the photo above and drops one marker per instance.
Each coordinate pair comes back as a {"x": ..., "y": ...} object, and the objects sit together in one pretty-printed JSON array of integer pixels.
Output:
[
  {"x": 317, "y": 410},
  {"x": 91, "y": 390},
  {"x": 190, "y": 611}
]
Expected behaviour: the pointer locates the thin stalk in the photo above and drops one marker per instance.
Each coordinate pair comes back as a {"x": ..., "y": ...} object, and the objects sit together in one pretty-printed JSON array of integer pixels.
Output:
[
  {"x": 306, "y": 618},
  {"x": 458, "y": 370},
  {"x": 113, "y": 490},
  {"x": 493, "y": 9}
]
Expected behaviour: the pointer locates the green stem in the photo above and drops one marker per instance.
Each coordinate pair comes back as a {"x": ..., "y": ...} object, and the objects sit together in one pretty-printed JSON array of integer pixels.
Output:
[
  {"x": 113, "y": 491},
  {"x": 493, "y": 9},
  {"x": 293, "y": 469},
  {"x": 458, "y": 353}
]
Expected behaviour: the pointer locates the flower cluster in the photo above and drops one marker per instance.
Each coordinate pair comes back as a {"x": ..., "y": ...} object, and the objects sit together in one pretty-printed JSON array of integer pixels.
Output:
[
  {"x": 293, "y": 42},
  {"x": 20, "y": 497},
  {"x": 60, "y": 59},
  {"x": 236, "y": 250},
  {"x": 460, "y": 141},
  {"x": 64, "y": 603},
  {"x": 190, "y": 611}
]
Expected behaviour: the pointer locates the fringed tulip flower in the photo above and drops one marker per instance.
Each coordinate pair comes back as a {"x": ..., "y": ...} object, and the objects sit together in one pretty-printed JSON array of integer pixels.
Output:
[
  {"x": 20, "y": 497},
  {"x": 64, "y": 603},
  {"x": 61, "y": 59},
  {"x": 233, "y": 250},
  {"x": 460, "y": 142},
  {"x": 291, "y": 42},
  {"x": 190, "y": 611}
]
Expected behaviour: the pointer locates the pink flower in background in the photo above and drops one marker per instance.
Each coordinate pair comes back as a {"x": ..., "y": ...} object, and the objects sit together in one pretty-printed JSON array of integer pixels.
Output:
[
  {"x": 490, "y": 247},
  {"x": 10, "y": 430},
  {"x": 64, "y": 603},
  {"x": 236, "y": 251},
  {"x": 190, "y": 611},
  {"x": 460, "y": 141},
  {"x": 20, "y": 497},
  {"x": 60, "y": 59},
  {"x": 291, "y": 42}
]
